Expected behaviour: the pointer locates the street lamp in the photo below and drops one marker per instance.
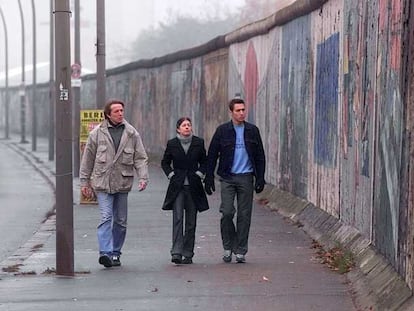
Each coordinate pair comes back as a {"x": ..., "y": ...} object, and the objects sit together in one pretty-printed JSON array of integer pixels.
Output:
[
  {"x": 34, "y": 112},
  {"x": 100, "y": 54},
  {"x": 22, "y": 91},
  {"x": 76, "y": 95},
  {"x": 6, "y": 53},
  {"x": 52, "y": 85},
  {"x": 63, "y": 113}
]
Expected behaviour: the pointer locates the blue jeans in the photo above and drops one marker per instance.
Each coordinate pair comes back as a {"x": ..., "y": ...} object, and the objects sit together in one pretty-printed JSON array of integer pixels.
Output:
[
  {"x": 235, "y": 237},
  {"x": 113, "y": 225}
]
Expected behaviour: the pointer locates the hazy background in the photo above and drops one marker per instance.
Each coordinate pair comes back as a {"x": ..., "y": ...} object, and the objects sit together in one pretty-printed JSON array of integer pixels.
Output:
[{"x": 134, "y": 29}]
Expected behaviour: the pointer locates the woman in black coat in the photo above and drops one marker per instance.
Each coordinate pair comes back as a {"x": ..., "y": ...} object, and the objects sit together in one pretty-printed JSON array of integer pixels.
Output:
[{"x": 184, "y": 163}]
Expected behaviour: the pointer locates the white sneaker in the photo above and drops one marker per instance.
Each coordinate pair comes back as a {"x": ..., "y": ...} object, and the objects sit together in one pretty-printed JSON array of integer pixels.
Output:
[{"x": 240, "y": 258}]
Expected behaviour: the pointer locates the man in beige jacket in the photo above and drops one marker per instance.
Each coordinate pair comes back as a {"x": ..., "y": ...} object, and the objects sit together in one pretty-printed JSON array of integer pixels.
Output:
[{"x": 113, "y": 151}]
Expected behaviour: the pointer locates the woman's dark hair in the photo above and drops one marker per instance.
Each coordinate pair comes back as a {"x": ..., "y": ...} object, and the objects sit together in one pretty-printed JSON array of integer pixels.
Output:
[
  {"x": 108, "y": 105},
  {"x": 235, "y": 101},
  {"x": 181, "y": 120}
]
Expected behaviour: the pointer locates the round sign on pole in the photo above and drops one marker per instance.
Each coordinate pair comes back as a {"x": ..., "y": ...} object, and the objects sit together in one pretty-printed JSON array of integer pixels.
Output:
[{"x": 76, "y": 71}]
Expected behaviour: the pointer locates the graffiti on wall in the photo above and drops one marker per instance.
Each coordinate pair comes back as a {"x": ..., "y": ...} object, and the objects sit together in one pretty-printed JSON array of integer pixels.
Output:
[
  {"x": 290, "y": 77},
  {"x": 295, "y": 101},
  {"x": 251, "y": 82},
  {"x": 326, "y": 102}
]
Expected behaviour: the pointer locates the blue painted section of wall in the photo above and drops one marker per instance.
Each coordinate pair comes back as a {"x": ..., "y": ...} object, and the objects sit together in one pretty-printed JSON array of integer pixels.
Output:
[
  {"x": 294, "y": 106},
  {"x": 326, "y": 102}
]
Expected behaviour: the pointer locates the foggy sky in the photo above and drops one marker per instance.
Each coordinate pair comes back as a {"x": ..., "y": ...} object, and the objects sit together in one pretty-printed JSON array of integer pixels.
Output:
[{"x": 124, "y": 20}]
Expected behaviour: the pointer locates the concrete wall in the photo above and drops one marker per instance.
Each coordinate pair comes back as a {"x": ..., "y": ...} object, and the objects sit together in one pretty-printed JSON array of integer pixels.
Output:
[{"x": 328, "y": 85}]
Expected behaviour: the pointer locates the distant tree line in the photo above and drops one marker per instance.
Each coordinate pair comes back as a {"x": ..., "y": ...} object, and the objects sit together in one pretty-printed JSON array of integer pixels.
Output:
[
  {"x": 180, "y": 32},
  {"x": 185, "y": 32}
]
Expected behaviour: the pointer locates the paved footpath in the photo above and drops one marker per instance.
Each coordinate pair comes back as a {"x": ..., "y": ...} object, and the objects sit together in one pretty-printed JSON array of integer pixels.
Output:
[{"x": 282, "y": 271}]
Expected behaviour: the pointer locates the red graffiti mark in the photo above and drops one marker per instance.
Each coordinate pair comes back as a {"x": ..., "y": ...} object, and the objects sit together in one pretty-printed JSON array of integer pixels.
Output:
[
  {"x": 383, "y": 15},
  {"x": 396, "y": 21},
  {"x": 345, "y": 126},
  {"x": 251, "y": 81}
]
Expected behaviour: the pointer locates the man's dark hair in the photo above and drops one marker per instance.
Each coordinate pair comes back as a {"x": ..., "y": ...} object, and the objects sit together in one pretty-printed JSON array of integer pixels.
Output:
[
  {"x": 235, "y": 101},
  {"x": 108, "y": 106}
]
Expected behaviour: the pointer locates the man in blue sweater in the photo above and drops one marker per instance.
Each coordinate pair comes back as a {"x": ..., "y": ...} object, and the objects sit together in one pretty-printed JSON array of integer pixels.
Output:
[{"x": 238, "y": 147}]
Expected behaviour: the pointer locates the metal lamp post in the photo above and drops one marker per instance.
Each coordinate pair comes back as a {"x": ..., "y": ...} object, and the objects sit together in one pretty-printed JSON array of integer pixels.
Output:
[
  {"x": 34, "y": 112},
  {"x": 22, "y": 91},
  {"x": 76, "y": 96},
  {"x": 52, "y": 85},
  {"x": 63, "y": 114},
  {"x": 100, "y": 54},
  {"x": 6, "y": 53}
]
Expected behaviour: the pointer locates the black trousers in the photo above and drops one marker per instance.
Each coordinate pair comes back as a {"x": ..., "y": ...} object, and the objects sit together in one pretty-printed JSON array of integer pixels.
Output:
[{"x": 184, "y": 217}]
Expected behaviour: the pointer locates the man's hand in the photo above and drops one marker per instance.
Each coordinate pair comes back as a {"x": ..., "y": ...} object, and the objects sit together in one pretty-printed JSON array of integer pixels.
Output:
[
  {"x": 259, "y": 186},
  {"x": 209, "y": 185},
  {"x": 87, "y": 192},
  {"x": 142, "y": 185}
]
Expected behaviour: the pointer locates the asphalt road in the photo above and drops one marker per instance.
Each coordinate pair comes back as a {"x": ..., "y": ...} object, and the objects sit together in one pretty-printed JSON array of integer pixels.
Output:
[{"x": 25, "y": 199}]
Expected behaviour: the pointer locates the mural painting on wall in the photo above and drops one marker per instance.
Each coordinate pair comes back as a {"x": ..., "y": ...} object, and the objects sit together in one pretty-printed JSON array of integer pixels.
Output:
[
  {"x": 214, "y": 95},
  {"x": 251, "y": 83},
  {"x": 295, "y": 104},
  {"x": 89, "y": 119},
  {"x": 326, "y": 102},
  {"x": 392, "y": 226}
]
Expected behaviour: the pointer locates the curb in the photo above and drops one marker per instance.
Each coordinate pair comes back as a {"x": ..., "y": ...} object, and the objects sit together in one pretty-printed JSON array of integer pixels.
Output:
[{"x": 14, "y": 264}]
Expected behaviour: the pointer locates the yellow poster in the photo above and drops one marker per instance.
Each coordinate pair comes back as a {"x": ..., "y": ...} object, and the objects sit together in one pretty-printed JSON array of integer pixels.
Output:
[{"x": 89, "y": 119}]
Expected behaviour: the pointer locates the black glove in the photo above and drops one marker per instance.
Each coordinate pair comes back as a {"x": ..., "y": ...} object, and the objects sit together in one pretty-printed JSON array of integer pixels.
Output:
[
  {"x": 259, "y": 186},
  {"x": 209, "y": 185}
]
